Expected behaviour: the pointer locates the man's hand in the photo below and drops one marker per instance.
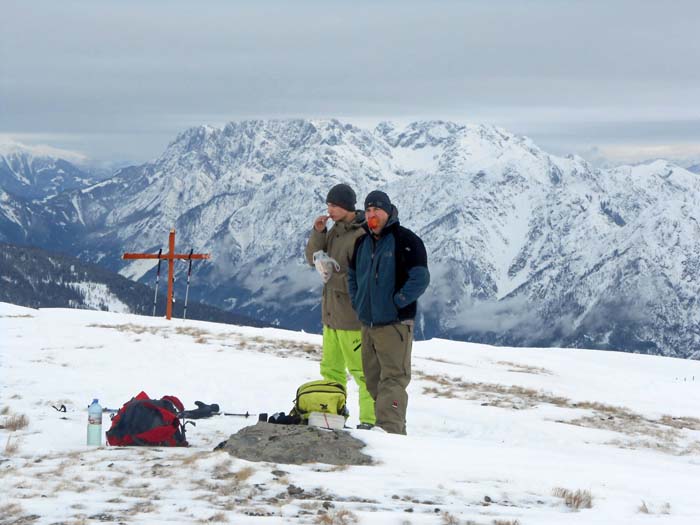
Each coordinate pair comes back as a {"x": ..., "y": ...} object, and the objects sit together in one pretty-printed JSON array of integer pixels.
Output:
[{"x": 320, "y": 222}]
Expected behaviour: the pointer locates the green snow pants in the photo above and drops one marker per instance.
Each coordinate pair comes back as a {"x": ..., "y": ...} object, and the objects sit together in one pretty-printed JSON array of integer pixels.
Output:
[
  {"x": 386, "y": 356},
  {"x": 341, "y": 350}
]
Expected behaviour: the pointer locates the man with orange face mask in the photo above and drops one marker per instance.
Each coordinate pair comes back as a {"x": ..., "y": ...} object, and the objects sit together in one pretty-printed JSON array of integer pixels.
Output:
[
  {"x": 388, "y": 272},
  {"x": 341, "y": 327}
]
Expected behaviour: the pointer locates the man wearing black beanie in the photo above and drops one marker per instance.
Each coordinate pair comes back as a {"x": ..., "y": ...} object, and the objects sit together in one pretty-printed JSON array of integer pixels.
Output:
[
  {"x": 388, "y": 273},
  {"x": 341, "y": 327}
]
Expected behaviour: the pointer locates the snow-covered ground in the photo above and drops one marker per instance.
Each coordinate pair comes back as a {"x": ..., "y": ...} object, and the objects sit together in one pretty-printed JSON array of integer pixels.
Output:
[{"x": 496, "y": 435}]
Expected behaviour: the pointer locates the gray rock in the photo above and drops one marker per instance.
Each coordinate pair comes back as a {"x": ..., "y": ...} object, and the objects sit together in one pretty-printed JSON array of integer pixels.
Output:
[{"x": 295, "y": 444}]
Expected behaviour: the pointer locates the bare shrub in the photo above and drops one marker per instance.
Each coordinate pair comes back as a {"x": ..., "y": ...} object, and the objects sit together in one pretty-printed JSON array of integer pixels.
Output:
[
  {"x": 4, "y": 411},
  {"x": 580, "y": 499},
  {"x": 337, "y": 517},
  {"x": 506, "y": 522},
  {"x": 16, "y": 422}
]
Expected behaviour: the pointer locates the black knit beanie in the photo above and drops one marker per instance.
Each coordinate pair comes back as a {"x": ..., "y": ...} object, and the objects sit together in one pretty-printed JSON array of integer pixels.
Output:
[
  {"x": 378, "y": 199},
  {"x": 343, "y": 196}
]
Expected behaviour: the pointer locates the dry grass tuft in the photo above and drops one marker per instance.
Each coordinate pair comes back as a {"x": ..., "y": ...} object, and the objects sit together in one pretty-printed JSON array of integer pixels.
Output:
[
  {"x": 219, "y": 517},
  {"x": 646, "y": 509},
  {"x": 222, "y": 470},
  {"x": 581, "y": 499},
  {"x": 16, "y": 422},
  {"x": 4, "y": 411},
  {"x": 142, "y": 507},
  {"x": 691, "y": 423},
  {"x": 506, "y": 522},
  {"x": 11, "y": 446},
  {"x": 190, "y": 459},
  {"x": 244, "y": 474},
  {"x": 10, "y": 509},
  {"x": 449, "y": 519},
  {"x": 337, "y": 517},
  {"x": 524, "y": 369}
]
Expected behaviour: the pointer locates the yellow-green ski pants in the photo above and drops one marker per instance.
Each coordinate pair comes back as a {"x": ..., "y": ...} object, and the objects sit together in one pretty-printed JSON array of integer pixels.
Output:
[{"x": 342, "y": 349}]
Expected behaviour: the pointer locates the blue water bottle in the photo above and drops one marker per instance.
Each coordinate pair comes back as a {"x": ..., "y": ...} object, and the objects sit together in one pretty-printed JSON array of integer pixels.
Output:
[{"x": 94, "y": 428}]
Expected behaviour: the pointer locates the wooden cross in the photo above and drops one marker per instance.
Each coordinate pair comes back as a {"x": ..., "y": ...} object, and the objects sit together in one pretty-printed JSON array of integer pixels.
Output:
[{"x": 170, "y": 256}]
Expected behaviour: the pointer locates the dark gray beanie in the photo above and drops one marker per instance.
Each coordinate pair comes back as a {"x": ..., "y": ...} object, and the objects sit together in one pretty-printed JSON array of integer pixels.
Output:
[
  {"x": 342, "y": 195},
  {"x": 378, "y": 199}
]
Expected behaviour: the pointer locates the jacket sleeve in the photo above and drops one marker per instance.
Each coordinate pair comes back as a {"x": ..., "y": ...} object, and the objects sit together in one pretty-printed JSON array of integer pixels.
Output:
[
  {"x": 352, "y": 277},
  {"x": 416, "y": 260},
  {"x": 317, "y": 241}
]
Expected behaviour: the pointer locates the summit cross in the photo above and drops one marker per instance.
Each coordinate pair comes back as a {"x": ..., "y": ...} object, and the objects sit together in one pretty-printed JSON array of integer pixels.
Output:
[{"x": 170, "y": 257}]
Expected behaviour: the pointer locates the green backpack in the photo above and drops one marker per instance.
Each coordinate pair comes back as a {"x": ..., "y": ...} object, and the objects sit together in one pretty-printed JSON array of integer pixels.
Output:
[{"x": 320, "y": 396}]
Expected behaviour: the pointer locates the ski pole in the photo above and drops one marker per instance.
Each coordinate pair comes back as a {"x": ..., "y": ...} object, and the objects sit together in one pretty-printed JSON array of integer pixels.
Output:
[
  {"x": 261, "y": 417},
  {"x": 187, "y": 289},
  {"x": 155, "y": 297}
]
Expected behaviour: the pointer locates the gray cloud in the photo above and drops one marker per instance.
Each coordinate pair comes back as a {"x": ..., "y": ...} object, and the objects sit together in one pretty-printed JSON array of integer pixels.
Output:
[{"x": 99, "y": 72}]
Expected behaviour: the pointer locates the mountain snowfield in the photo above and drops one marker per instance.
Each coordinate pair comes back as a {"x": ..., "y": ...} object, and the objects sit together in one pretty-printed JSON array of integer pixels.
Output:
[
  {"x": 494, "y": 433},
  {"x": 525, "y": 248}
]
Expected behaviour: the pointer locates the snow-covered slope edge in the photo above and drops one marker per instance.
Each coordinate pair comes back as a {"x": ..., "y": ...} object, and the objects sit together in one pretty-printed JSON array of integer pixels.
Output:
[{"x": 492, "y": 431}]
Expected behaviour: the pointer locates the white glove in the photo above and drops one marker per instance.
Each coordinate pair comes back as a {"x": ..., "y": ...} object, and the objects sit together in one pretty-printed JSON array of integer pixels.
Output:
[{"x": 325, "y": 265}]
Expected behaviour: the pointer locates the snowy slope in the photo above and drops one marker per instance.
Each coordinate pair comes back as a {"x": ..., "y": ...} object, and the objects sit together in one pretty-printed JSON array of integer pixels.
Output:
[{"x": 492, "y": 431}]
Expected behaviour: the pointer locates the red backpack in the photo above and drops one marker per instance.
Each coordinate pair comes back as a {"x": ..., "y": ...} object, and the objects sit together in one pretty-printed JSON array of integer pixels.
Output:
[{"x": 148, "y": 422}]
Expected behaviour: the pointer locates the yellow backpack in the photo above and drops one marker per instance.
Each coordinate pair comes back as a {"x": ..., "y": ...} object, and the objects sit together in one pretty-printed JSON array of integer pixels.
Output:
[{"x": 320, "y": 396}]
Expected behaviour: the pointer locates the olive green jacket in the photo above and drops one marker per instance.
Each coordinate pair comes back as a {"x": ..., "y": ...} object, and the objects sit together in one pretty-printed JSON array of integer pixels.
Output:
[{"x": 338, "y": 243}]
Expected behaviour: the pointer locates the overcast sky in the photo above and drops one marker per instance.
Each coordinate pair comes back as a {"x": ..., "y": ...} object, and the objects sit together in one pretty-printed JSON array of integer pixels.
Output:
[{"x": 119, "y": 79}]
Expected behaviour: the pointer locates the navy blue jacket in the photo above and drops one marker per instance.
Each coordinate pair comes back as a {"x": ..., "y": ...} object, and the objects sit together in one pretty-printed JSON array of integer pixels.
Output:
[{"x": 387, "y": 275}]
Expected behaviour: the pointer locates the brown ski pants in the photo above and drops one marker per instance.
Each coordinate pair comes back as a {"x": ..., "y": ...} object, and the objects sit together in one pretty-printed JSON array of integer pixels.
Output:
[{"x": 386, "y": 360}]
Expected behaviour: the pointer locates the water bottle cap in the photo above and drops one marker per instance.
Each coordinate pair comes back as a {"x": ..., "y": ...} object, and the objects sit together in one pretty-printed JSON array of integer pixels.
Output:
[{"x": 94, "y": 401}]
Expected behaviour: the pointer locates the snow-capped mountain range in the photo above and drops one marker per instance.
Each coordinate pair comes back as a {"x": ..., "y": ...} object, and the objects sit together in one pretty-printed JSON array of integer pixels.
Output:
[
  {"x": 525, "y": 248},
  {"x": 37, "y": 172}
]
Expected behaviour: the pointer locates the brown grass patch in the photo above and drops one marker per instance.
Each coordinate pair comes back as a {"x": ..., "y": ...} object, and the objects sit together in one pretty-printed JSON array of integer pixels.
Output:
[
  {"x": 16, "y": 422},
  {"x": 142, "y": 507},
  {"x": 576, "y": 500},
  {"x": 661, "y": 434},
  {"x": 524, "y": 369},
  {"x": 129, "y": 328},
  {"x": 244, "y": 474},
  {"x": 691, "y": 423},
  {"x": 219, "y": 517},
  {"x": 10, "y": 509},
  {"x": 336, "y": 517}
]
